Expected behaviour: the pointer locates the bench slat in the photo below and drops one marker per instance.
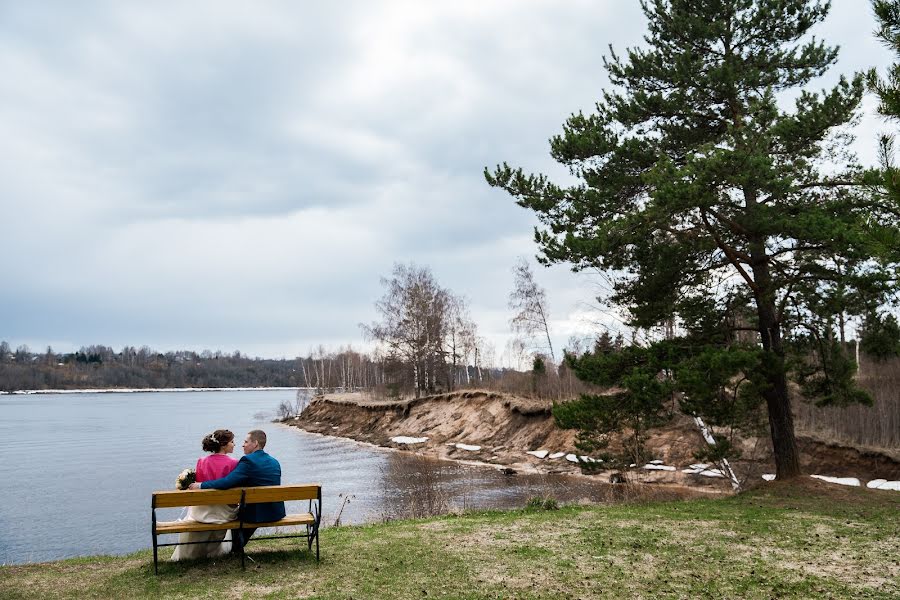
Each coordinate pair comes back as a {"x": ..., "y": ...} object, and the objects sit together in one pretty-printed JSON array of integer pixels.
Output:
[
  {"x": 174, "y": 499},
  {"x": 289, "y": 520},
  {"x": 277, "y": 493},
  {"x": 164, "y": 527},
  {"x": 184, "y": 526}
]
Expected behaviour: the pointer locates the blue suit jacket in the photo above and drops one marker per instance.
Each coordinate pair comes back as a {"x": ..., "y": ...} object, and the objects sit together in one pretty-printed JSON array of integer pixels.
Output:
[{"x": 256, "y": 468}]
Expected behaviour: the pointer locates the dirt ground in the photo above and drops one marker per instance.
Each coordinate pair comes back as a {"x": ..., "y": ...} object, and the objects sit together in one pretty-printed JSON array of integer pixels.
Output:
[{"x": 507, "y": 427}]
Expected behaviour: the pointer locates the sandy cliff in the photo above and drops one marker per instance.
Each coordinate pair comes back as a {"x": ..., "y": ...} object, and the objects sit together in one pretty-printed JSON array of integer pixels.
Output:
[{"x": 506, "y": 428}]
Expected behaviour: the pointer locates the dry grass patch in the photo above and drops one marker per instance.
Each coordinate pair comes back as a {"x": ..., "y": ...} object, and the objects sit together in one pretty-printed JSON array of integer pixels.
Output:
[{"x": 781, "y": 541}]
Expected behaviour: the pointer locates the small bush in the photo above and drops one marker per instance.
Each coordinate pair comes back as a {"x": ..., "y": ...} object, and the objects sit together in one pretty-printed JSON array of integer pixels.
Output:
[
  {"x": 536, "y": 503},
  {"x": 285, "y": 411}
]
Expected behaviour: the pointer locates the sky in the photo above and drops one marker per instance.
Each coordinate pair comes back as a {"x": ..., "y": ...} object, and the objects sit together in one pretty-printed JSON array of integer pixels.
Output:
[{"x": 231, "y": 175}]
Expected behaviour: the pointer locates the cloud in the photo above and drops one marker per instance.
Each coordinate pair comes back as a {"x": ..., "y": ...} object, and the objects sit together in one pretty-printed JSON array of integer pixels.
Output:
[{"x": 240, "y": 175}]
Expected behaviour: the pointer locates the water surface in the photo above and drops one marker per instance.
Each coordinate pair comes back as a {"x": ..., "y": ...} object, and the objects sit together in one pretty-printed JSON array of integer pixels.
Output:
[{"x": 78, "y": 469}]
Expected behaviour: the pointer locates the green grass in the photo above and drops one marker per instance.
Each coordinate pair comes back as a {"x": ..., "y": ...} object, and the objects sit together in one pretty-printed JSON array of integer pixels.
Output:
[{"x": 784, "y": 541}]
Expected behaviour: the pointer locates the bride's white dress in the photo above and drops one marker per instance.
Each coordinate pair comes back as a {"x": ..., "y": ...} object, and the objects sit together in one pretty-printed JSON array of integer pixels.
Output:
[{"x": 219, "y": 541}]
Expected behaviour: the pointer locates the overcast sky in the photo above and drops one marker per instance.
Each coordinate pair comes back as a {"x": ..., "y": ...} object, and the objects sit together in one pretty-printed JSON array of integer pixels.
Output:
[{"x": 239, "y": 175}]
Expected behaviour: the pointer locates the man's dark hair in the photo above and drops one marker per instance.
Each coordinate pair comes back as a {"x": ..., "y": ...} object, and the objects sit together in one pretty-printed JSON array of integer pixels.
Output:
[{"x": 258, "y": 436}]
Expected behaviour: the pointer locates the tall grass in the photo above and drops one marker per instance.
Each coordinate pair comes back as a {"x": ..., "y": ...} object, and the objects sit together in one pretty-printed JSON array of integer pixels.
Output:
[{"x": 876, "y": 426}]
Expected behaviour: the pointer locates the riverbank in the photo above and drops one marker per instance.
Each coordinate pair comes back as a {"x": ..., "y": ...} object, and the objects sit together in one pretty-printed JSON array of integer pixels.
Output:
[
  {"x": 490, "y": 428},
  {"x": 520, "y": 434},
  {"x": 785, "y": 540}
]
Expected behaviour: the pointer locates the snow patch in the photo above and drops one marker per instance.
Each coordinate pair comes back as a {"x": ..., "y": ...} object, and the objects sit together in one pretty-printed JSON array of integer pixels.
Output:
[
  {"x": 769, "y": 476},
  {"x": 557, "y": 455},
  {"x": 468, "y": 447},
  {"x": 851, "y": 481},
  {"x": 884, "y": 484},
  {"x": 588, "y": 459},
  {"x": 653, "y": 467},
  {"x": 657, "y": 462},
  {"x": 703, "y": 469},
  {"x": 538, "y": 453},
  {"x": 403, "y": 439},
  {"x": 571, "y": 458}
]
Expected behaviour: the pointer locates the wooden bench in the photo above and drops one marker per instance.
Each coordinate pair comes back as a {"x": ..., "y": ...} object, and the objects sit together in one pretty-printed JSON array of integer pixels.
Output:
[{"x": 240, "y": 497}]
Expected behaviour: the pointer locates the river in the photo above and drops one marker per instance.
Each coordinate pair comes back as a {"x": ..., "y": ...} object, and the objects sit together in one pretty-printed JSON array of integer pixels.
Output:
[{"x": 78, "y": 469}]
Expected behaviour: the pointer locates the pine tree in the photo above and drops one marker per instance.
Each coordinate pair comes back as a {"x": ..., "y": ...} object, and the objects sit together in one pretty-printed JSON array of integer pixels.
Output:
[
  {"x": 880, "y": 336},
  {"x": 888, "y": 14},
  {"x": 704, "y": 199},
  {"x": 888, "y": 91}
]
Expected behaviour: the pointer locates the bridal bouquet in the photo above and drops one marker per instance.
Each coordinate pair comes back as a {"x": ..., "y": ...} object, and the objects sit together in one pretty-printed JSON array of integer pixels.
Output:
[{"x": 185, "y": 478}]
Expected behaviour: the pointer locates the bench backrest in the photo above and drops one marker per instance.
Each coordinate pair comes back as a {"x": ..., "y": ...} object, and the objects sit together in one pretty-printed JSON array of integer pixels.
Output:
[
  {"x": 174, "y": 499},
  {"x": 278, "y": 493},
  {"x": 251, "y": 495}
]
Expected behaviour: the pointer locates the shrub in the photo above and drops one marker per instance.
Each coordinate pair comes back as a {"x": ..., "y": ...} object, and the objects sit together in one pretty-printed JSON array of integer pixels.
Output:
[{"x": 536, "y": 503}]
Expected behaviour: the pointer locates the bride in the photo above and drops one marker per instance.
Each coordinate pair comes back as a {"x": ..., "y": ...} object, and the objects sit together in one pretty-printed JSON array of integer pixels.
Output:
[{"x": 220, "y": 444}]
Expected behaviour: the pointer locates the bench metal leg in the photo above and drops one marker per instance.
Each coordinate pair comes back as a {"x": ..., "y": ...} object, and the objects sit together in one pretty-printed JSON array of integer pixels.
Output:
[
  {"x": 154, "y": 534},
  {"x": 243, "y": 550},
  {"x": 312, "y": 534}
]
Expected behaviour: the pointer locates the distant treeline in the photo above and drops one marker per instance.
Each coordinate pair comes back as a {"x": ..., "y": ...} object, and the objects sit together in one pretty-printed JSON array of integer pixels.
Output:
[{"x": 102, "y": 367}]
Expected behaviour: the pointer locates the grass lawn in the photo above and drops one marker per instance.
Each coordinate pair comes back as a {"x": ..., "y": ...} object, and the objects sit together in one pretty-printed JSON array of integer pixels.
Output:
[{"x": 799, "y": 540}]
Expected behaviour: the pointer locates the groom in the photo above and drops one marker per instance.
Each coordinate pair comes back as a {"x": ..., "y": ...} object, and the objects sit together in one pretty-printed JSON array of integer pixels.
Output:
[{"x": 255, "y": 468}]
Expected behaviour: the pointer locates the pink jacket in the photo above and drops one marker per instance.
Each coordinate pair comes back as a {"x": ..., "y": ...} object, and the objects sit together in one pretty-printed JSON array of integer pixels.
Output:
[{"x": 214, "y": 466}]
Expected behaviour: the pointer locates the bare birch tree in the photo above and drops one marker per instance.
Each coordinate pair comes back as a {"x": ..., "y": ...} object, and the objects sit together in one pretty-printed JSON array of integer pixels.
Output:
[
  {"x": 516, "y": 353},
  {"x": 529, "y": 300},
  {"x": 414, "y": 321},
  {"x": 460, "y": 339}
]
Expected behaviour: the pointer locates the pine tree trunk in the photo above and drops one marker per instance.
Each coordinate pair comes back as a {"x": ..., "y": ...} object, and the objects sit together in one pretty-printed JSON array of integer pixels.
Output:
[
  {"x": 781, "y": 424},
  {"x": 778, "y": 401}
]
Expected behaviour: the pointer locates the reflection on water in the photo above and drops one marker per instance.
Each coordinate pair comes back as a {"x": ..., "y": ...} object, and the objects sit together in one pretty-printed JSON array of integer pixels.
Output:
[
  {"x": 414, "y": 486},
  {"x": 384, "y": 484},
  {"x": 84, "y": 465}
]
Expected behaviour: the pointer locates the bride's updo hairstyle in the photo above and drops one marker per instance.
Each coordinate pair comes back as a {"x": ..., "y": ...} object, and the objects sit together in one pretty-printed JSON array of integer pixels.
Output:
[{"x": 217, "y": 440}]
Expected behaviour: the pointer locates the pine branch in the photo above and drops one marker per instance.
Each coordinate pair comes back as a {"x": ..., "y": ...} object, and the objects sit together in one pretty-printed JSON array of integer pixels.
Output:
[{"x": 730, "y": 253}]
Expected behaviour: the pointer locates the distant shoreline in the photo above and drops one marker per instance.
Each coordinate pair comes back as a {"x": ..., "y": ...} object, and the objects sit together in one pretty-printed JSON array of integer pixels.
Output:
[{"x": 143, "y": 390}]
